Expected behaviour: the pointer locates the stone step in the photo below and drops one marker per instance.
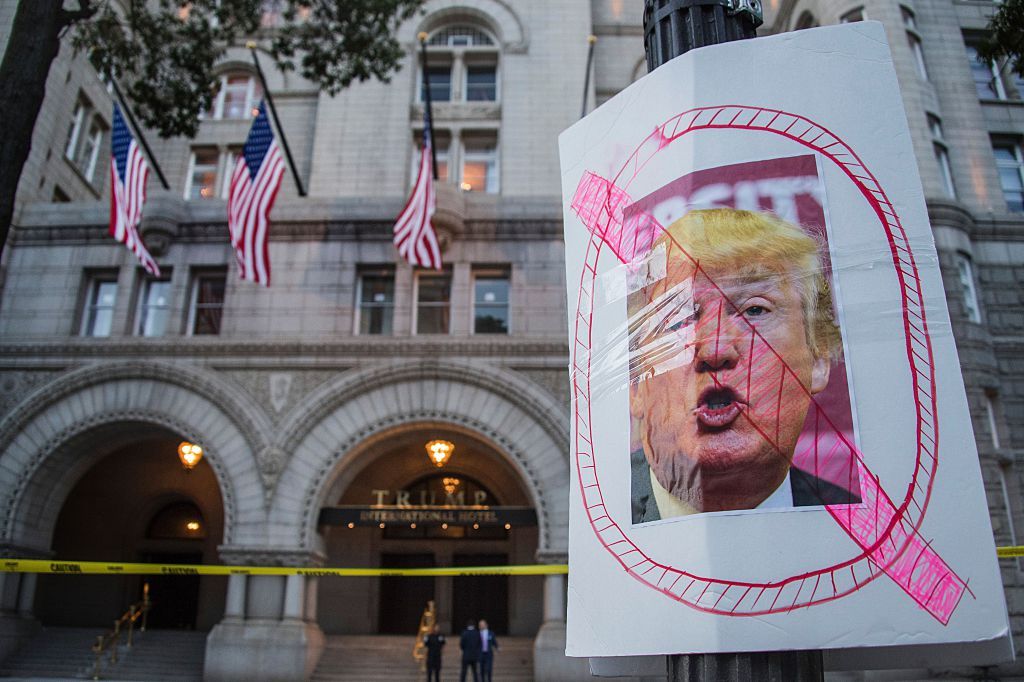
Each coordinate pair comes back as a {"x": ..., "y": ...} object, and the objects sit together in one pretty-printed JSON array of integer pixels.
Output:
[
  {"x": 360, "y": 658},
  {"x": 65, "y": 653}
]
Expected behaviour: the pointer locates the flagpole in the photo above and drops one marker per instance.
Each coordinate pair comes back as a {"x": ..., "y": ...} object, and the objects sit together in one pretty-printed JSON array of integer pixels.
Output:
[
  {"x": 138, "y": 132},
  {"x": 428, "y": 106},
  {"x": 277, "y": 122},
  {"x": 586, "y": 79}
]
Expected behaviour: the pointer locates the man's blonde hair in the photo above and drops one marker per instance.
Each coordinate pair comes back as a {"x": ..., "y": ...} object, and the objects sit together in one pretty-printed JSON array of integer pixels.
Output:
[{"x": 749, "y": 243}]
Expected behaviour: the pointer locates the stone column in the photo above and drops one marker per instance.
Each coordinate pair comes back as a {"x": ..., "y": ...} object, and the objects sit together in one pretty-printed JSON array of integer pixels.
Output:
[
  {"x": 550, "y": 664},
  {"x": 17, "y": 595},
  {"x": 265, "y": 634},
  {"x": 234, "y": 609}
]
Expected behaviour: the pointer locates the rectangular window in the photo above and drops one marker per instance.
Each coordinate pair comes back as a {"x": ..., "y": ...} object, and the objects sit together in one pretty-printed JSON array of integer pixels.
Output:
[
  {"x": 207, "y": 305},
  {"x": 75, "y": 129},
  {"x": 987, "y": 82},
  {"x": 98, "y": 316},
  {"x": 914, "y": 40},
  {"x": 480, "y": 166},
  {"x": 440, "y": 84},
  {"x": 91, "y": 149},
  {"x": 942, "y": 156},
  {"x": 965, "y": 271},
  {"x": 202, "y": 176},
  {"x": 433, "y": 302},
  {"x": 481, "y": 83},
  {"x": 1010, "y": 165},
  {"x": 376, "y": 301},
  {"x": 85, "y": 139},
  {"x": 990, "y": 413},
  {"x": 442, "y": 142},
  {"x": 490, "y": 302},
  {"x": 154, "y": 307}
]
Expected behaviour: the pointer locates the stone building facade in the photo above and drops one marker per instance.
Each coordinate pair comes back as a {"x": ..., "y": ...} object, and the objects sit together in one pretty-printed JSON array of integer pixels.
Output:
[{"x": 323, "y": 388}]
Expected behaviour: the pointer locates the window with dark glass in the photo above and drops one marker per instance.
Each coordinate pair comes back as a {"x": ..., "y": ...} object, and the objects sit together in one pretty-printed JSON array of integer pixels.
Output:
[
  {"x": 207, "y": 302},
  {"x": 987, "y": 82},
  {"x": 1010, "y": 165},
  {"x": 154, "y": 307},
  {"x": 490, "y": 303},
  {"x": 481, "y": 83},
  {"x": 433, "y": 302},
  {"x": 440, "y": 83},
  {"x": 376, "y": 301},
  {"x": 98, "y": 316}
]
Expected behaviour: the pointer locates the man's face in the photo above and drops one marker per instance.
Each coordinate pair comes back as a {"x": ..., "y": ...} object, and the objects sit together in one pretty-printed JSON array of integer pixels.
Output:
[
  {"x": 720, "y": 418},
  {"x": 483, "y": 625}
]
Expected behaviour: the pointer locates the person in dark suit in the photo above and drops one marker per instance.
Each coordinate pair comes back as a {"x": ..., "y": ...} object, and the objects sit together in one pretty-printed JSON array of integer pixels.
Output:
[
  {"x": 488, "y": 645},
  {"x": 469, "y": 642},
  {"x": 434, "y": 643},
  {"x": 731, "y": 334}
]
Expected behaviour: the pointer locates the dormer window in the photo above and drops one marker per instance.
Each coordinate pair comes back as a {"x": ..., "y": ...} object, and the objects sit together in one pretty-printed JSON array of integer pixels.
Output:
[
  {"x": 463, "y": 65},
  {"x": 238, "y": 94}
]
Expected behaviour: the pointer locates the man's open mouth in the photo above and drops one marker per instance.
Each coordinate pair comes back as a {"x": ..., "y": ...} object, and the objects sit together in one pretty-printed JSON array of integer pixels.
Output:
[{"x": 718, "y": 407}]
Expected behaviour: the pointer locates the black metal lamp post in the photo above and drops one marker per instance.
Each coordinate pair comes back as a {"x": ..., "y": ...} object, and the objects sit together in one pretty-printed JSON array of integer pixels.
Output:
[{"x": 672, "y": 28}]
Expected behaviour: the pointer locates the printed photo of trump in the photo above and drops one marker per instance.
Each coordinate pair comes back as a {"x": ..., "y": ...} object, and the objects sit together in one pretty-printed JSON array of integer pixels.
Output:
[{"x": 732, "y": 336}]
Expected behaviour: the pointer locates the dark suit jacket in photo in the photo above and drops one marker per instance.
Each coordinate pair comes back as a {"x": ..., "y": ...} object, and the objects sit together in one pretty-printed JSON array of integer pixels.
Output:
[
  {"x": 808, "y": 490},
  {"x": 469, "y": 642}
]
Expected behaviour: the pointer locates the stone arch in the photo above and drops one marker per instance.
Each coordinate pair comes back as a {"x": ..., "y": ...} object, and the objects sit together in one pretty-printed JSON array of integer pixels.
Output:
[
  {"x": 514, "y": 415},
  {"x": 41, "y": 441},
  {"x": 497, "y": 15}
]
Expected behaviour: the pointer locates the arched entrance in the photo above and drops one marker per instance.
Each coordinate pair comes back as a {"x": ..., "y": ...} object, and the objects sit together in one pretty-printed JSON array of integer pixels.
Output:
[
  {"x": 136, "y": 503},
  {"x": 393, "y": 508}
]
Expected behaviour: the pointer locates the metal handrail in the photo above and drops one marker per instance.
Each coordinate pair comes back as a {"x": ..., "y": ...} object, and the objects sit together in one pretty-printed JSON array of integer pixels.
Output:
[{"x": 111, "y": 640}]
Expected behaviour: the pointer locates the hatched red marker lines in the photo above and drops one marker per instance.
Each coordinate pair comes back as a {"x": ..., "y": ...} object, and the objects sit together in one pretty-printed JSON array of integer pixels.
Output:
[{"x": 885, "y": 534}]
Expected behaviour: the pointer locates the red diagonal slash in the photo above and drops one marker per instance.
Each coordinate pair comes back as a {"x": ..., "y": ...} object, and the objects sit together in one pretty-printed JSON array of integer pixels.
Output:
[{"x": 886, "y": 534}]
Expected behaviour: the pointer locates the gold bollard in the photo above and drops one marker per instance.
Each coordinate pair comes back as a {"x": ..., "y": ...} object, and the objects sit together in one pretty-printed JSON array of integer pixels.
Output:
[
  {"x": 145, "y": 605},
  {"x": 116, "y": 638},
  {"x": 131, "y": 624}
]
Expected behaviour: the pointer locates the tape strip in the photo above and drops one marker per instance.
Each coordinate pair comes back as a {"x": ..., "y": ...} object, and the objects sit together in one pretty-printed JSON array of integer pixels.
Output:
[{"x": 104, "y": 568}]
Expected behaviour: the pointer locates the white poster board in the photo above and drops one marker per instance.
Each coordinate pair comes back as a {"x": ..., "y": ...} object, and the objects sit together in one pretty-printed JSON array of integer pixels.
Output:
[{"x": 771, "y": 445}]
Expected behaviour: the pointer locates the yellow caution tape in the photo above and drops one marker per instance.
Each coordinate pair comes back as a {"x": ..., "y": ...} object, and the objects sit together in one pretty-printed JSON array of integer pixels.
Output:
[
  {"x": 106, "y": 568},
  {"x": 1010, "y": 552}
]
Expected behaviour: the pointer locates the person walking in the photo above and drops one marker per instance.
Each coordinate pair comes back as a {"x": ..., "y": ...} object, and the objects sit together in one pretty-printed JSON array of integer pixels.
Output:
[
  {"x": 469, "y": 642},
  {"x": 488, "y": 645},
  {"x": 434, "y": 643}
]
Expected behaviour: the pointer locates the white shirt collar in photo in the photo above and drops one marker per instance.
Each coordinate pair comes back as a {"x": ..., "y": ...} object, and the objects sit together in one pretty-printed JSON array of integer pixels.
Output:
[{"x": 669, "y": 506}]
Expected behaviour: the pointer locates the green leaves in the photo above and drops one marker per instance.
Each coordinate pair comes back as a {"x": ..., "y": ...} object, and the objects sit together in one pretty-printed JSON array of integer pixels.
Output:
[
  {"x": 1006, "y": 38},
  {"x": 165, "y": 54}
]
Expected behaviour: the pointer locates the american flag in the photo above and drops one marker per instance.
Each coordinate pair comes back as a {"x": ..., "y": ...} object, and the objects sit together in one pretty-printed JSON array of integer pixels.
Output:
[
  {"x": 128, "y": 174},
  {"x": 254, "y": 185},
  {"x": 414, "y": 234}
]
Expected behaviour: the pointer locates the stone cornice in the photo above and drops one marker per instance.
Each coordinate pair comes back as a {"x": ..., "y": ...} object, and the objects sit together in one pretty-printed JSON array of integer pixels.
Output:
[
  {"x": 347, "y": 350},
  {"x": 355, "y": 230}
]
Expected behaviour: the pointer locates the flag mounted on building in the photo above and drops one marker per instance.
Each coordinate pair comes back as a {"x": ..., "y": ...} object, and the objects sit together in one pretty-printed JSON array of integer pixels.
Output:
[
  {"x": 414, "y": 234},
  {"x": 128, "y": 174},
  {"x": 254, "y": 185}
]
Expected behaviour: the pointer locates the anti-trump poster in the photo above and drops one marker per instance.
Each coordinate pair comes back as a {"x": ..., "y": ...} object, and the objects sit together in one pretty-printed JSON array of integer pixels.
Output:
[{"x": 771, "y": 447}]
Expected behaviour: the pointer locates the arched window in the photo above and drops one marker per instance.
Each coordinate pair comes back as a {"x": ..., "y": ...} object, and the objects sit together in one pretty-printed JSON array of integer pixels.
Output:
[
  {"x": 177, "y": 521},
  {"x": 463, "y": 65},
  {"x": 237, "y": 95}
]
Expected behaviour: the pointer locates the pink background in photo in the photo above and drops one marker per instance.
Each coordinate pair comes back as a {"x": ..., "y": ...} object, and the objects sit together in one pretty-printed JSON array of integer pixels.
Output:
[{"x": 791, "y": 189}]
